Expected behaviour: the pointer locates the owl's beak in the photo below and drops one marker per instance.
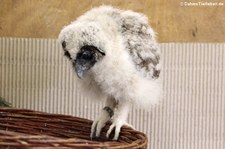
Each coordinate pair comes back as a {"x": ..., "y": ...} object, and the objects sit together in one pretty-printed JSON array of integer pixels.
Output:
[
  {"x": 80, "y": 69},
  {"x": 86, "y": 59}
]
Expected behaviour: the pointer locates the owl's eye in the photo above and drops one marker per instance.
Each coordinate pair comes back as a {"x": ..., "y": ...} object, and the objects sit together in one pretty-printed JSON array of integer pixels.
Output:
[
  {"x": 87, "y": 55},
  {"x": 64, "y": 45},
  {"x": 67, "y": 54}
]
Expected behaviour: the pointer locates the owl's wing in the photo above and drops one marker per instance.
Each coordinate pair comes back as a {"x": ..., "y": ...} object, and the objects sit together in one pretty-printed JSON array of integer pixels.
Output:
[{"x": 141, "y": 44}]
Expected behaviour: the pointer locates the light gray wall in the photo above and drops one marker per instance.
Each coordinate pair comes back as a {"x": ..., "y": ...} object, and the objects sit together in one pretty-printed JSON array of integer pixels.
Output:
[{"x": 34, "y": 75}]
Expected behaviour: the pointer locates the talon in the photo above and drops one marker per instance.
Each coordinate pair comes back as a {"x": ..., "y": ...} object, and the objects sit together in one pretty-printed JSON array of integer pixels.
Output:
[
  {"x": 93, "y": 128},
  {"x": 110, "y": 130},
  {"x": 117, "y": 125},
  {"x": 117, "y": 132},
  {"x": 98, "y": 124},
  {"x": 99, "y": 127}
]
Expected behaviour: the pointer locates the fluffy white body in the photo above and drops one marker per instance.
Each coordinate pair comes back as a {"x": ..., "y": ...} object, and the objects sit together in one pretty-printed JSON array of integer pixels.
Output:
[{"x": 128, "y": 73}]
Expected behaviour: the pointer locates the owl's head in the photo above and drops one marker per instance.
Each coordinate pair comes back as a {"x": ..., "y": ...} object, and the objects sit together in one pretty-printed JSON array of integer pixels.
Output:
[{"x": 84, "y": 44}]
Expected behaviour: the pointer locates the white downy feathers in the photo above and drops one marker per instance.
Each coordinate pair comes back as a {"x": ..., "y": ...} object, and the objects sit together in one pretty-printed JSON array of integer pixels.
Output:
[{"x": 130, "y": 69}]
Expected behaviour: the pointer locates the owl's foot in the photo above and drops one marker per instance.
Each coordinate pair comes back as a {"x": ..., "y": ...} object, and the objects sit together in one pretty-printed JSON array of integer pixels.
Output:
[
  {"x": 99, "y": 123},
  {"x": 117, "y": 124}
]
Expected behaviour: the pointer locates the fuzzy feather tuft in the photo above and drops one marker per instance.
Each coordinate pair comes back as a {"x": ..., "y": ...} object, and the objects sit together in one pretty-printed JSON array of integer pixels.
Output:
[{"x": 129, "y": 71}]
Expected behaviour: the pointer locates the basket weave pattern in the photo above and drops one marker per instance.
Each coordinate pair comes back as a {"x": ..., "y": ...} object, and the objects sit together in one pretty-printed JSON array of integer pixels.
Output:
[{"x": 27, "y": 128}]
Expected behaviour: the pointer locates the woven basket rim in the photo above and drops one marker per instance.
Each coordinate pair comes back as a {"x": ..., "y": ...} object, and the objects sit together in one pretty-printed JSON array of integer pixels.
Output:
[{"x": 29, "y": 128}]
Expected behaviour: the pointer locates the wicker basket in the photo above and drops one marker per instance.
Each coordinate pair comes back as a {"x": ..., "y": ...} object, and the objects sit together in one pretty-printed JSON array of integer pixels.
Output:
[{"x": 21, "y": 128}]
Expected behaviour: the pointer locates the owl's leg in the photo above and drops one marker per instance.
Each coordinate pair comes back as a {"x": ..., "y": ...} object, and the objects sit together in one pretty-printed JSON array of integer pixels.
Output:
[
  {"x": 119, "y": 119},
  {"x": 105, "y": 115}
]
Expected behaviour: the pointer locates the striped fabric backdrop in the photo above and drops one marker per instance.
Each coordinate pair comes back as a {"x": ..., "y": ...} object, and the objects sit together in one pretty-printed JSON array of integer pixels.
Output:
[{"x": 35, "y": 75}]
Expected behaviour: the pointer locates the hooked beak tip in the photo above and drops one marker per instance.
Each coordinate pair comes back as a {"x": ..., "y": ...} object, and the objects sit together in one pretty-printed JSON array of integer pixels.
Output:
[
  {"x": 79, "y": 69},
  {"x": 80, "y": 75}
]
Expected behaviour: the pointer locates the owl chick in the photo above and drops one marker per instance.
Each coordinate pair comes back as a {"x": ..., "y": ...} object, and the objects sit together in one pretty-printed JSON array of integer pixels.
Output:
[{"x": 115, "y": 56}]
